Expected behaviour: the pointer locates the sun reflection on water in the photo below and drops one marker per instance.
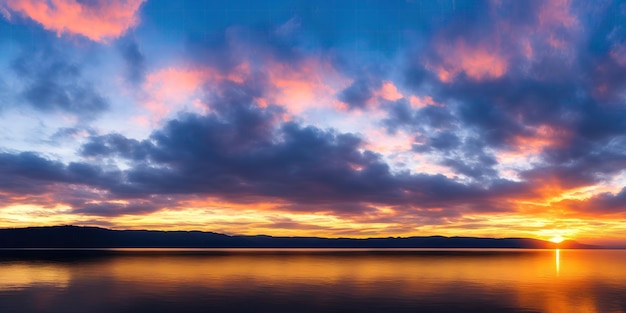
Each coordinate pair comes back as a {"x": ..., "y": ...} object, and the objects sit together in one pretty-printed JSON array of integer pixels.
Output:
[
  {"x": 590, "y": 280},
  {"x": 557, "y": 261}
]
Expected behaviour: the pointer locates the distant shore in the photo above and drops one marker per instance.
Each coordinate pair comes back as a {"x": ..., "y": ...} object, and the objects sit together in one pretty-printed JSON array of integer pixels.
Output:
[{"x": 96, "y": 237}]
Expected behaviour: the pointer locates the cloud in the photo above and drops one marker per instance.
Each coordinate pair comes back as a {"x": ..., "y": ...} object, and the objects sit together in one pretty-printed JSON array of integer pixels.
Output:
[
  {"x": 477, "y": 62},
  {"x": 172, "y": 89},
  {"x": 97, "y": 20},
  {"x": 31, "y": 173},
  {"x": 135, "y": 61},
  {"x": 359, "y": 93},
  {"x": 601, "y": 204},
  {"x": 288, "y": 74},
  {"x": 400, "y": 119},
  {"x": 478, "y": 95},
  {"x": 243, "y": 152},
  {"x": 110, "y": 209},
  {"x": 52, "y": 82},
  {"x": 117, "y": 145}
]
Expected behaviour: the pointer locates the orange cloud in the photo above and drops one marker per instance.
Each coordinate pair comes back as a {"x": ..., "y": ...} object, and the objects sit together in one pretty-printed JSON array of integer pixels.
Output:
[
  {"x": 104, "y": 20},
  {"x": 478, "y": 62}
]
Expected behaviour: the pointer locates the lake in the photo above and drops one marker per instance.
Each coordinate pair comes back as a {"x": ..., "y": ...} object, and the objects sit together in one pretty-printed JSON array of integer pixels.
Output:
[{"x": 312, "y": 280}]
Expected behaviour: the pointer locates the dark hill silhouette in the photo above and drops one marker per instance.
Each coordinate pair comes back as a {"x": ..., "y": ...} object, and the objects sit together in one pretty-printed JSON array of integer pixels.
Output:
[{"x": 95, "y": 237}]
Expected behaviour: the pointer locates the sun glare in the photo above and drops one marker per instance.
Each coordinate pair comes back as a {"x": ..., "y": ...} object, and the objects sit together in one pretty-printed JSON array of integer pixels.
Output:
[{"x": 557, "y": 239}]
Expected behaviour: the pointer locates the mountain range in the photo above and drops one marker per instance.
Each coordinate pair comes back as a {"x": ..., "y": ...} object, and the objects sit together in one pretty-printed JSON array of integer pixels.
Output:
[{"x": 96, "y": 237}]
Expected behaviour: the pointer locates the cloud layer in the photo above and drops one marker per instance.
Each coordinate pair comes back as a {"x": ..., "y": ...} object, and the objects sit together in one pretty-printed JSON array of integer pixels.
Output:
[
  {"x": 287, "y": 117},
  {"x": 96, "y": 20}
]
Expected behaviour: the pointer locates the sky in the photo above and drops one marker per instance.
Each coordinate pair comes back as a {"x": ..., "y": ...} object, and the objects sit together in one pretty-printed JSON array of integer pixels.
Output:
[{"x": 352, "y": 118}]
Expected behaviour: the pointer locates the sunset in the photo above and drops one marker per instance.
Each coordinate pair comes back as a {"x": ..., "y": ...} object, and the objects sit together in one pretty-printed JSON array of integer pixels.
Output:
[
  {"x": 357, "y": 119},
  {"x": 317, "y": 124}
]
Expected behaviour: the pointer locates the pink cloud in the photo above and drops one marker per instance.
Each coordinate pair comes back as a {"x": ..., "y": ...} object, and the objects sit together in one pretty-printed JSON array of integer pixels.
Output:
[
  {"x": 170, "y": 88},
  {"x": 389, "y": 91},
  {"x": 420, "y": 102},
  {"x": 491, "y": 57},
  {"x": 556, "y": 13},
  {"x": 525, "y": 147},
  {"x": 379, "y": 140},
  {"x": 309, "y": 84},
  {"x": 618, "y": 53},
  {"x": 104, "y": 20},
  {"x": 478, "y": 62},
  {"x": 554, "y": 16}
]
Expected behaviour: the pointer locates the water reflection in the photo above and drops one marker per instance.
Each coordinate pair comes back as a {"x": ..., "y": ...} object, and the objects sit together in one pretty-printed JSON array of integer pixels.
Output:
[
  {"x": 557, "y": 261},
  {"x": 21, "y": 275},
  {"x": 315, "y": 280}
]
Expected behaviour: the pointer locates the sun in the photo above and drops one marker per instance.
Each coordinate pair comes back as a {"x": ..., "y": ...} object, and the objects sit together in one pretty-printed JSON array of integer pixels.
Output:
[{"x": 557, "y": 239}]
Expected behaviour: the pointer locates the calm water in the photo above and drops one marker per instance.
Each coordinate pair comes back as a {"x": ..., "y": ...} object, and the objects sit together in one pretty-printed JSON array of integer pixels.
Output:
[{"x": 313, "y": 281}]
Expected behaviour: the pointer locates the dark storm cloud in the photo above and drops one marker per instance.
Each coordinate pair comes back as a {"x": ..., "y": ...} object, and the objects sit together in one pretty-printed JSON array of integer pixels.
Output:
[{"x": 54, "y": 83}]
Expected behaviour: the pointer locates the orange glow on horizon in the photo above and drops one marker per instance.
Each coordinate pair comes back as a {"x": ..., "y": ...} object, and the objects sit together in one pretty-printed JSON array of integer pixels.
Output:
[
  {"x": 557, "y": 239},
  {"x": 241, "y": 219}
]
